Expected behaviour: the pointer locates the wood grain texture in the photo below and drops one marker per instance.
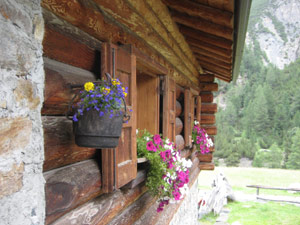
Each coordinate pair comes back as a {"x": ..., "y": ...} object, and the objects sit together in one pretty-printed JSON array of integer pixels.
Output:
[
  {"x": 187, "y": 118},
  {"x": 198, "y": 109},
  {"x": 202, "y": 25},
  {"x": 68, "y": 187},
  {"x": 207, "y": 97},
  {"x": 207, "y": 78},
  {"x": 206, "y": 166},
  {"x": 212, "y": 52},
  {"x": 206, "y": 38},
  {"x": 208, "y": 119},
  {"x": 59, "y": 77},
  {"x": 210, "y": 129},
  {"x": 103, "y": 209},
  {"x": 210, "y": 14},
  {"x": 179, "y": 126},
  {"x": 179, "y": 142},
  {"x": 209, "y": 87},
  {"x": 209, "y": 108},
  {"x": 59, "y": 144},
  {"x": 178, "y": 108},
  {"x": 205, "y": 157},
  {"x": 64, "y": 49},
  {"x": 214, "y": 61}
]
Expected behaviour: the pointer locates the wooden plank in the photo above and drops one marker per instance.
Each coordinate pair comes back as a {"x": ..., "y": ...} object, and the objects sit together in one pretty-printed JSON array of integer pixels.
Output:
[
  {"x": 198, "y": 109},
  {"x": 207, "y": 97},
  {"x": 205, "y": 37},
  {"x": 206, "y": 166},
  {"x": 208, "y": 119},
  {"x": 187, "y": 118},
  {"x": 103, "y": 209},
  {"x": 59, "y": 77},
  {"x": 203, "y": 25},
  {"x": 140, "y": 177},
  {"x": 213, "y": 15},
  {"x": 68, "y": 187},
  {"x": 210, "y": 129},
  {"x": 207, "y": 78},
  {"x": 209, "y": 108},
  {"x": 215, "y": 69},
  {"x": 179, "y": 142},
  {"x": 208, "y": 87},
  {"x": 179, "y": 126},
  {"x": 59, "y": 144},
  {"x": 64, "y": 49},
  {"x": 273, "y": 188}
]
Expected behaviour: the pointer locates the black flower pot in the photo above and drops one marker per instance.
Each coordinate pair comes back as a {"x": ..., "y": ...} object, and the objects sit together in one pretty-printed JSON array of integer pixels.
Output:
[{"x": 94, "y": 131}]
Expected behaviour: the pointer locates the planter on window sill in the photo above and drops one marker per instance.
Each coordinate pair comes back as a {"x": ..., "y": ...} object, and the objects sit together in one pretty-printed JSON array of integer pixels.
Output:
[{"x": 94, "y": 131}]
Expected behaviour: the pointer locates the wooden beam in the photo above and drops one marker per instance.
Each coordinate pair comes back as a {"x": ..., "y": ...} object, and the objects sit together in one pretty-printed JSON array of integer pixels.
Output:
[
  {"x": 210, "y": 14},
  {"x": 59, "y": 77},
  {"x": 213, "y": 61},
  {"x": 227, "y": 5},
  {"x": 203, "y": 25},
  {"x": 68, "y": 187},
  {"x": 207, "y": 97},
  {"x": 207, "y": 119},
  {"x": 209, "y": 107},
  {"x": 214, "y": 69},
  {"x": 223, "y": 77},
  {"x": 213, "y": 53},
  {"x": 210, "y": 129},
  {"x": 207, "y": 78},
  {"x": 206, "y": 166},
  {"x": 227, "y": 53},
  {"x": 60, "y": 147},
  {"x": 205, "y": 37},
  {"x": 209, "y": 87}
]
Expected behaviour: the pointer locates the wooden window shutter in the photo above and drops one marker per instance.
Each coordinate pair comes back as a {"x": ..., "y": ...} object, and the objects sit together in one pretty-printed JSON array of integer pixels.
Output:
[
  {"x": 187, "y": 117},
  {"x": 121, "y": 63},
  {"x": 169, "y": 109}
]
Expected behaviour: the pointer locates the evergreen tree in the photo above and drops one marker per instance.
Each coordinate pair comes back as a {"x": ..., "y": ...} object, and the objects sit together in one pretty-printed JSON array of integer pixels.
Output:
[{"x": 294, "y": 158}]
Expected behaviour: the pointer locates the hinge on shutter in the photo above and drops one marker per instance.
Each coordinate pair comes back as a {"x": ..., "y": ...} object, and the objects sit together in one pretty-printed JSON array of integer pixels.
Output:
[{"x": 162, "y": 86}]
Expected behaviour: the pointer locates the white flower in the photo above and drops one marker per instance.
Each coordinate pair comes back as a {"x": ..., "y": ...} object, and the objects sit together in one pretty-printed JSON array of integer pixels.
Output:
[
  {"x": 137, "y": 131},
  {"x": 147, "y": 138},
  {"x": 167, "y": 141},
  {"x": 196, "y": 122}
]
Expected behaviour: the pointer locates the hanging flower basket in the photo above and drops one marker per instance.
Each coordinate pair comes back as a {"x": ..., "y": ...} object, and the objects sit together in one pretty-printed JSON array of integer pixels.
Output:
[
  {"x": 201, "y": 141},
  {"x": 100, "y": 114}
]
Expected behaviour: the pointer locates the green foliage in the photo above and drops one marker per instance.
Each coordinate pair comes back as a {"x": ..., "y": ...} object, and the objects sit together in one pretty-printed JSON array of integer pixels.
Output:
[
  {"x": 294, "y": 158},
  {"x": 270, "y": 158}
]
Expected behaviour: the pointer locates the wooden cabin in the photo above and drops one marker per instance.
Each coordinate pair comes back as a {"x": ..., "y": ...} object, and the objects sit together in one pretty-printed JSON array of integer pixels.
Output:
[{"x": 168, "y": 53}]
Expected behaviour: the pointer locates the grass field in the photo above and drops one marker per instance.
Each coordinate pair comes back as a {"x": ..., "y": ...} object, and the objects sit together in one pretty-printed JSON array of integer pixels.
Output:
[
  {"x": 239, "y": 178},
  {"x": 254, "y": 213}
]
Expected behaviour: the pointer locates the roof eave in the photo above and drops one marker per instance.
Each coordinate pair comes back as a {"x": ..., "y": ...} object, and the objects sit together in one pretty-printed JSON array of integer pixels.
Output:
[{"x": 242, "y": 17}]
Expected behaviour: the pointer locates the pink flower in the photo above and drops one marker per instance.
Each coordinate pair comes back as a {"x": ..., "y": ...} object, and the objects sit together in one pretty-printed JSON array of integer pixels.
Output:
[
  {"x": 176, "y": 195},
  {"x": 157, "y": 139},
  {"x": 159, "y": 209},
  {"x": 168, "y": 153},
  {"x": 163, "y": 155},
  {"x": 150, "y": 146}
]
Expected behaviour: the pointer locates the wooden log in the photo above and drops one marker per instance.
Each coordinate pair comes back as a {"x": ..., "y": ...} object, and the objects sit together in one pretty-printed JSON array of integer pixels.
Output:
[
  {"x": 198, "y": 108},
  {"x": 206, "y": 166},
  {"x": 134, "y": 211},
  {"x": 223, "y": 5},
  {"x": 210, "y": 51},
  {"x": 214, "y": 69},
  {"x": 105, "y": 29},
  {"x": 208, "y": 86},
  {"x": 205, "y": 37},
  {"x": 178, "y": 108},
  {"x": 59, "y": 77},
  {"x": 179, "y": 142},
  {"x": 202, "y": 25},
  {"x": 64, "y": 49},
  {"x": 206, "y": 97},
  {"x": 214, "y": 61},
  {"x": 205, "y": 157},
  {"x": 103, "y": 209},
  {"x": 207, "y": 119},
  {"x": 224, "y": 77},
  {"x": 70, "y": 186},
  {"x": 140, "y": 177},
  {"x": 209, "y": 108},
  {"x": 179, "y": 92},
  {"x": 60, "y": 147},
  {"x": 179, "y": 126},
  {"x": 210, "y": 130},
  {"x": 207, "y": 13},
  {"x": 207, "y": 78}
]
